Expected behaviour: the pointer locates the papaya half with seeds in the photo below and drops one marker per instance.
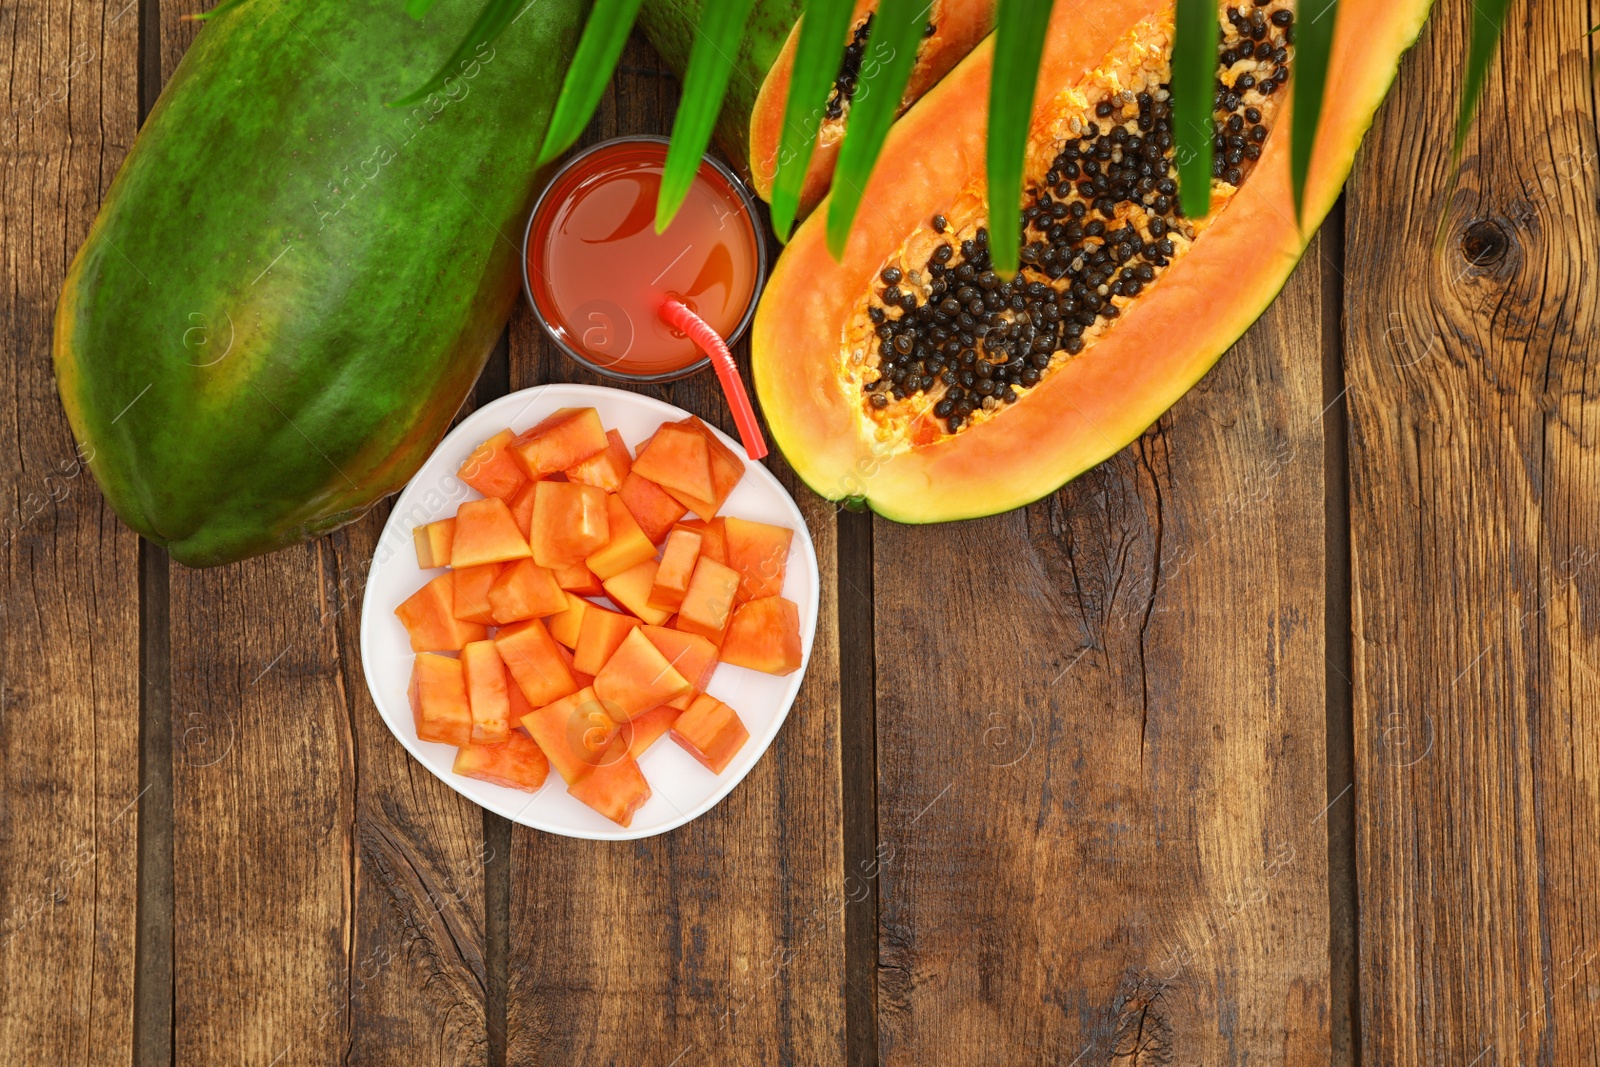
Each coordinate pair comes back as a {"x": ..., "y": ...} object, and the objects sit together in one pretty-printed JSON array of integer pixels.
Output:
[
  {"x": 291, "y": 286},
  {"x": 910, "y": 377},
  {"x": 750, "y": 126}
]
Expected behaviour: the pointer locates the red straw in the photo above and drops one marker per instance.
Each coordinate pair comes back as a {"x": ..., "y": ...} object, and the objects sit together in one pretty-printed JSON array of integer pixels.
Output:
[{"x": 676, "y": 315}]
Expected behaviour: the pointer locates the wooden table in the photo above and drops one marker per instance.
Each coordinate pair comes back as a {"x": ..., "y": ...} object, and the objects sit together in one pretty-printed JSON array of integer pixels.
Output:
[{"x": 1271, "y": 739}]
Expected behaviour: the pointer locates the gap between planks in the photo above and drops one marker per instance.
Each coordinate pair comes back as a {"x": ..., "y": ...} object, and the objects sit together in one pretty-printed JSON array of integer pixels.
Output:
[
  {"x": 153, "y": 1024},
  {"x": 1344, "y": 991}
]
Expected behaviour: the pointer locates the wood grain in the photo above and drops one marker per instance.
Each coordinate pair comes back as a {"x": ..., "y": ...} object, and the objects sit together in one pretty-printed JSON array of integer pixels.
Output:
[
  {"x": 328, "y": 893},
  {"x": 1475, "y": 480},
  {"x": 723, "y": 941},
  {"x": 69, "y": 617},
  {"x": 1101, "y": 745}
]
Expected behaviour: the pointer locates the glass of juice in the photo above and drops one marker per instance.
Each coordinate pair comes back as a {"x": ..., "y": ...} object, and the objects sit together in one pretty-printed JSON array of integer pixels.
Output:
[{"x": 596, "y": 271}]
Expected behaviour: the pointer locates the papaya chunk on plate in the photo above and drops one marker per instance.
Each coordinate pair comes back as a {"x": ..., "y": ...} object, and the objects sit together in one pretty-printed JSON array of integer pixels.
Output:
[
  {"x": 439, "y": 704},
  {"x": 631, "y": 590},
  {"x": 645, "y": 730},
  {"x": 764, "y": 635},
  {"x": 713, "y": 537},
  {"x": 711, "y": 732},
  {"x": 575, "y": 733},
  {"x": 602, "y": 631},
  {"x": 678, "y": 460},
  {"x": 616, "y": 788},
  {"x": 471, "y": 592},
  {"x": 524, "y": 590},
  {"x": 429, "y": 616},
  {"x": 432, "y": 541},
  {"x": 627, "y": 545},
  {"x": 567, "y": 624},
  {"x": 678, "y": 557},
  {"x": 691, "y": 655},
  {"x": 487, "y": 692},
  {"x": 559, "y": 442},
  {"x": 569, "y": 522},
  {"x": 492, "y": 470},
  {"x": 516, "y": 763},
  {"x": 605, "y": 469},
  {"x": 637, "y": 678},
  {"x": 652, "y": 507},
  {"x": 708, "y": 604},
  {"x": 759, "y": 551},
  {"x": 726, "y": 470},
  {"x": 486, "y": 533},
  {"x": 535, "y": 662}
]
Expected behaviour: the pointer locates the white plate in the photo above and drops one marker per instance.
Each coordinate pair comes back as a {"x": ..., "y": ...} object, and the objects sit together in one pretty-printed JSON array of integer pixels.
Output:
[{"x": 680, "y": 788}]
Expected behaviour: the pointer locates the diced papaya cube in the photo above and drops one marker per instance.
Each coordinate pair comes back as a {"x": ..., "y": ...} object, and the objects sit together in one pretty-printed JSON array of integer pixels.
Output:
[
  {"x": 565, "y": 625},
  {"x": 605, "y": 469},
  {"x": 647, "y": 729},
  {"x": 678, "y": 558},
  {"x": 713, "y": 537},
  {"x": 615, "y": 788},
  {"x": 600, "y": 634},
  {"x": 690, "y": 655},
  {"x": 486, "y": 692},
  {"x": 678, "y": 460},
  {"x": 433, "y": 541},
  {"x": 577, "y": 578},
  {"x": 492, "y": 470},
  {"x": 631, "y": 589},
  {"x": 760, "y": 553},
  {"x": 471, "y": 596},
  {"x": 569, "y": 522},
  {"x": 650, "y": 505},
  {"x": 711, "y": 732},
  {"x": 439, "y": 703},
  {"x": 534, "y": 660},
  {"x": 562, "y": 441},
  {"x": 516, "y": 763},
  {"x": 708, "y": 604},
  {"x": 524, "y": 590},
  {"x": 764, "y": 636},
  {"x": 637, "y": 677},
  {"x": 429, "y": 616},
  {"x": 726, "y": 470},
  {"x": 575, "y": 733},
  {"x": 627, "y": 547},
  {"x": 486, "y": 533},
  {"x": 521, "y": 506}
]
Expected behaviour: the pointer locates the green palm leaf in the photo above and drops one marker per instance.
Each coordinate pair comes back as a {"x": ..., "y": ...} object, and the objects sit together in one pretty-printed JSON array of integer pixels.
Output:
[
  {"x": 492, "y": 21},
  {"x": 705, "y": 83},
  {"x": 604, "y": 35},
  {"x": 1313, "y": 43},
  {"x": 1194, "y": 69},
  {"x": 1019, "y": 43},
  {"x": 891, "y": 53},
  {"x": 816, "y": 63}
]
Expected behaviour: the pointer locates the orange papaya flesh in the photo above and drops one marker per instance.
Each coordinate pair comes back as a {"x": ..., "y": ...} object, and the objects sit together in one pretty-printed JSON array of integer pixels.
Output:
[
  {"x": 954, "y": 28},
  {"x": 816, "y": 343}
]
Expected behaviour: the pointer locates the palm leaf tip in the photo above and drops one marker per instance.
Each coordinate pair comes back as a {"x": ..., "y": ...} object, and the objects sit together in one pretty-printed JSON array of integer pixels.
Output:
[
  {"x": 897, "y": 28},
  {"x": 1194, "y": 66},
  {"x": 1019, "y": 43},
  {"x": 705, "y": 83},
  {"x": 816, "y": 63},
  {"x": 604, "y": 36},
  {"x": 1314, "y": 30}
]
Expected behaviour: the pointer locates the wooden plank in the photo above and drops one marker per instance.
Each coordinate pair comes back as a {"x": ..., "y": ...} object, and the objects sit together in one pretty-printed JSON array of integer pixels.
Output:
[
  {"x": 721, "y": 942},
  {"x": 69, "y": 655},
  {"x": 328, "y": 894},
  {"x": 1101, "y": 745},
  {"x": 1474, "y": 487}
]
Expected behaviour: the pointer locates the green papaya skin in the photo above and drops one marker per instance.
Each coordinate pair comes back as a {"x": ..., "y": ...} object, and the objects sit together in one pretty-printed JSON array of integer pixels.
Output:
[
  {"x": 291, "y": 287},
  {"x": 670, "y": 27}
]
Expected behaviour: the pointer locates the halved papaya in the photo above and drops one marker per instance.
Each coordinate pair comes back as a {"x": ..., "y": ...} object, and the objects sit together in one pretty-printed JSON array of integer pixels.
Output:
[{"x": 909, "y": 377}]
